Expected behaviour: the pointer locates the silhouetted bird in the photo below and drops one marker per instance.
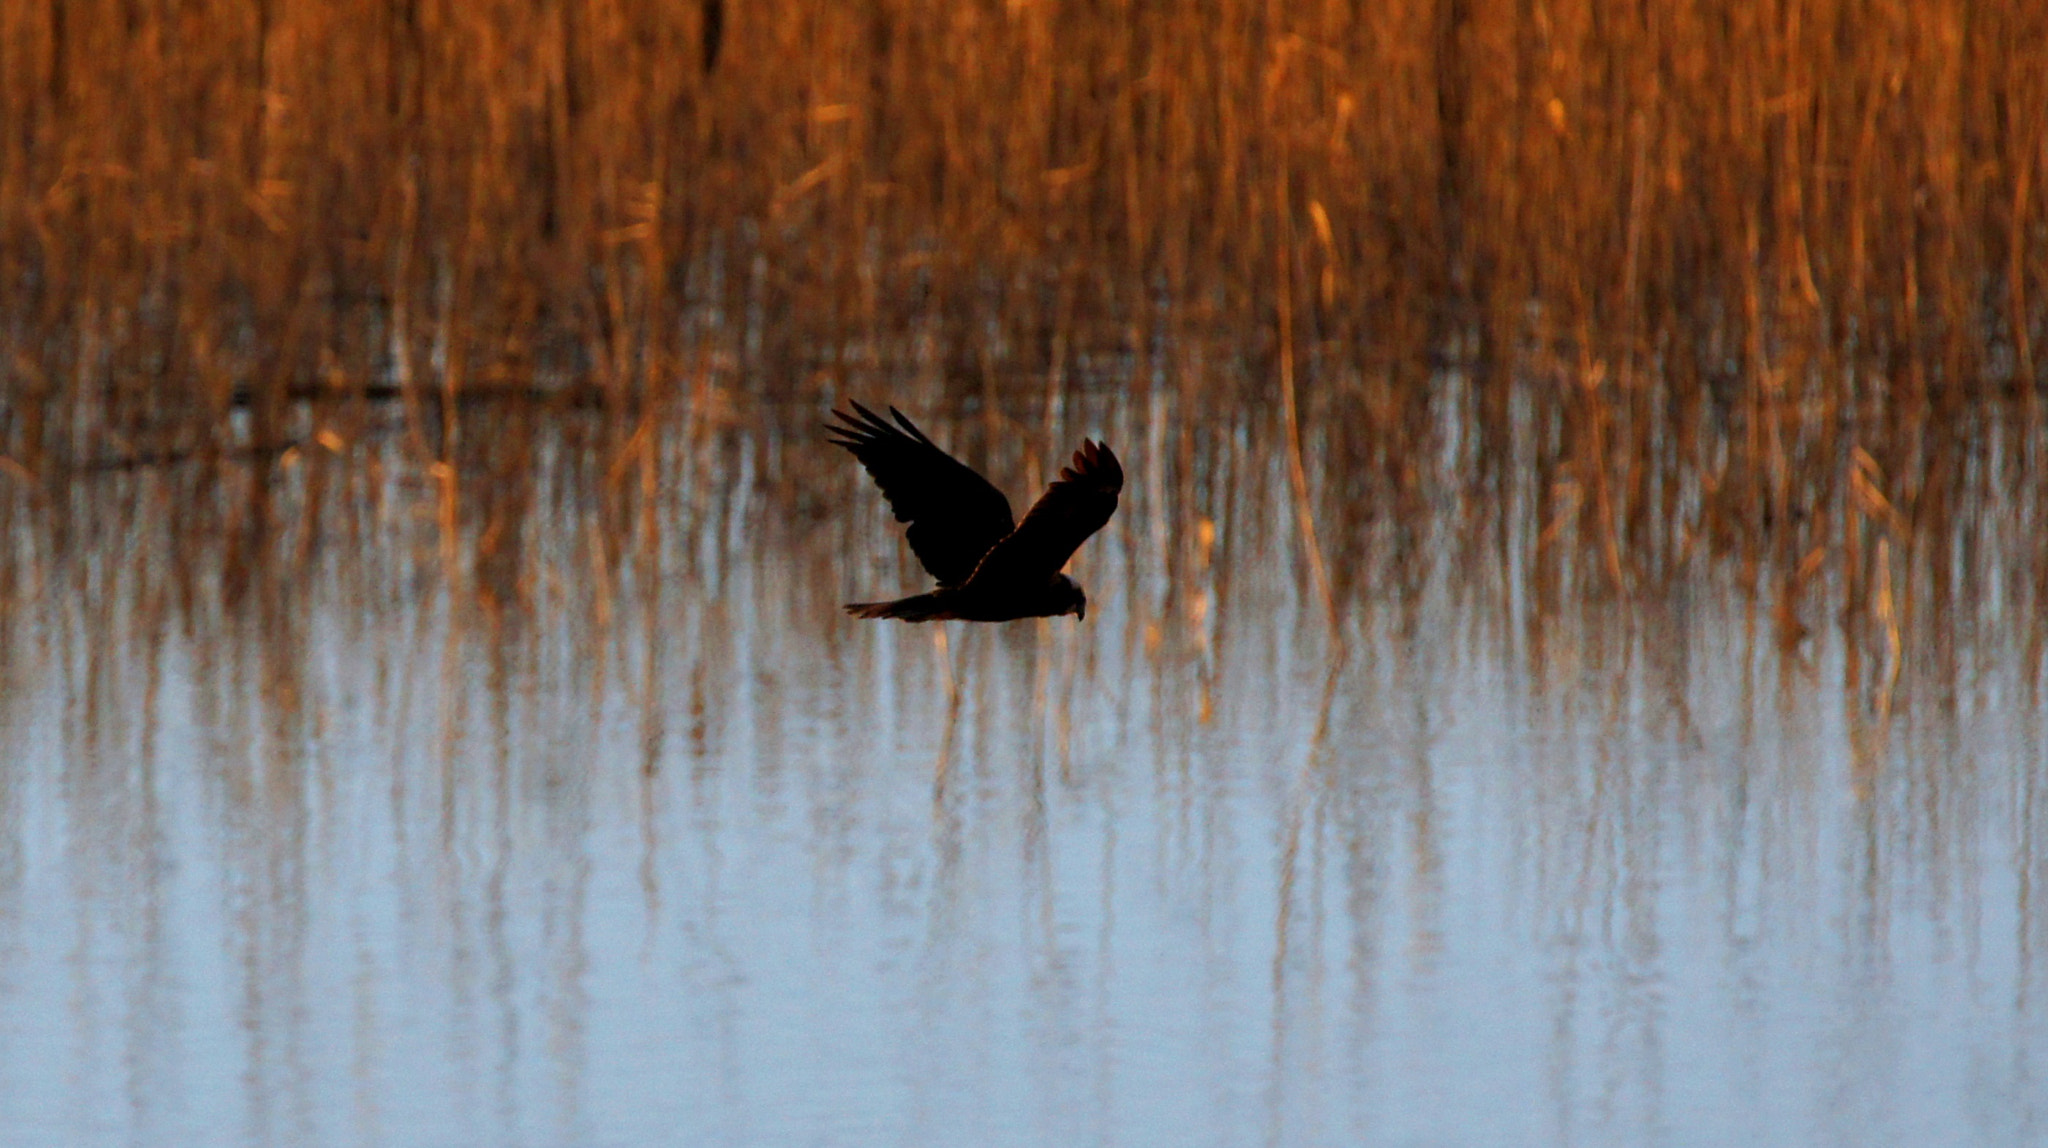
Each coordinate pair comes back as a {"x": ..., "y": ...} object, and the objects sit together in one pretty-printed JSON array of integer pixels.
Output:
[{"x": 989, "y": 569}]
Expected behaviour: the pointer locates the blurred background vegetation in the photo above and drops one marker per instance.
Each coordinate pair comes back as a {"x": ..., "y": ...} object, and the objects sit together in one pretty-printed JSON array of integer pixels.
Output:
[
  {"x": 1649, "y": 279},
  {"x": 1805, "y": 199}
]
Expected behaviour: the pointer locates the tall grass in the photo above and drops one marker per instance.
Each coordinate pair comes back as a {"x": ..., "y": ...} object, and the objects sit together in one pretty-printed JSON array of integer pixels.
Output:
[
  {"x": 266, "y": 194},
  {"x": 1741, "y": 268}
]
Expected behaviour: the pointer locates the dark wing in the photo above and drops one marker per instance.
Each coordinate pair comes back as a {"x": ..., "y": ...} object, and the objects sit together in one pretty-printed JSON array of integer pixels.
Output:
[
  {"x": 1071, "y": 509},
  {"x": 955, "y": 516}
]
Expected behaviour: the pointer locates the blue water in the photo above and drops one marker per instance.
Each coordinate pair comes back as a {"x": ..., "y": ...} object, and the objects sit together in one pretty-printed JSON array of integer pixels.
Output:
[{"x": 696, "y": 860}]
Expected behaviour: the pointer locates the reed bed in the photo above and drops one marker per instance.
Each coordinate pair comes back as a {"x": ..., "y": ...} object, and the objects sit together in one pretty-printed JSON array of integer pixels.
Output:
[
  {"x": 1711, "y": 278},
  {"x": 213, "y": 198}
]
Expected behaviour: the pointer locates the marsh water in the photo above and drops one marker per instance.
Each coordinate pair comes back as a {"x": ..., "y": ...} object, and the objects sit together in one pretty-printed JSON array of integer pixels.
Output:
[{"x": 548, "y": 799}]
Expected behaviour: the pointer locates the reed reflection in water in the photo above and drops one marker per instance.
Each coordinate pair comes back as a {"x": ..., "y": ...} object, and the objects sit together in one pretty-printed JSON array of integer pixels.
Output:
[{"x": 621, "y": 834}]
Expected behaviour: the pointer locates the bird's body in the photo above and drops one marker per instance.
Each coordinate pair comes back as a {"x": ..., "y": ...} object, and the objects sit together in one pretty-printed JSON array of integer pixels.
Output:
[
  {"x": 989, "y": 568},
  {"x": 963, "y": 604}
]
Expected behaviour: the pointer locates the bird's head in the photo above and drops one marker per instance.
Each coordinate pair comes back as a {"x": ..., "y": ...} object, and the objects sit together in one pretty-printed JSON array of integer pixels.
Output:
[{"x": 1070, "y": 598}]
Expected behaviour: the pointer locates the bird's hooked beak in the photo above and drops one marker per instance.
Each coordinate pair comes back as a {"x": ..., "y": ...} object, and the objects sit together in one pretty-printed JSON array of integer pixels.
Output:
[{"x": 1081, "y": 611}]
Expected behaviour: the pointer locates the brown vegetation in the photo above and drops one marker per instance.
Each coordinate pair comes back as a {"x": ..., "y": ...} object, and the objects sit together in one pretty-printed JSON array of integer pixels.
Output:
[
  {"x": 1722, "y": 278},
  {"x": 266, "y": 194}
]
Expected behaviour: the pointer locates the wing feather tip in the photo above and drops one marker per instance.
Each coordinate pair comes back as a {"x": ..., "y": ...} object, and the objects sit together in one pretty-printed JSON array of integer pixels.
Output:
[{"x": 1094, "y": 461}]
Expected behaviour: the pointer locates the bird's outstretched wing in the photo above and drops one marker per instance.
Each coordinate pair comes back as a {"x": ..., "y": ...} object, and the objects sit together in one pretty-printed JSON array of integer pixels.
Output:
[
  {"x": 1072, "y": 508},
  {"x": 955, "y": 516}
]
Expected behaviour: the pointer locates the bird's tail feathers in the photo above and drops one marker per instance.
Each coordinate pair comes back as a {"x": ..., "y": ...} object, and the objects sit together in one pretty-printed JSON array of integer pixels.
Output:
[{"x": 917, "y": 608}]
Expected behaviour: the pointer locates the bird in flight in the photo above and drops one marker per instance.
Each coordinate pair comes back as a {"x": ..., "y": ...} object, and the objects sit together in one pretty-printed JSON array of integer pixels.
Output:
[{"x": 989, "y": 567}]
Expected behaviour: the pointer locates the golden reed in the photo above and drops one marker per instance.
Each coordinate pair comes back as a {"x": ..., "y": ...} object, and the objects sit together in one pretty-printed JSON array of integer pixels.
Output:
[
  {"x": 220, "y": 192},
  {"x": 1729, "y": 276}
]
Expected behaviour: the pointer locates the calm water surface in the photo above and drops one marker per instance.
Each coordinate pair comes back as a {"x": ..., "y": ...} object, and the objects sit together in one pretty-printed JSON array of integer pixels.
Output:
[{"x": 658, "y": 848}]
